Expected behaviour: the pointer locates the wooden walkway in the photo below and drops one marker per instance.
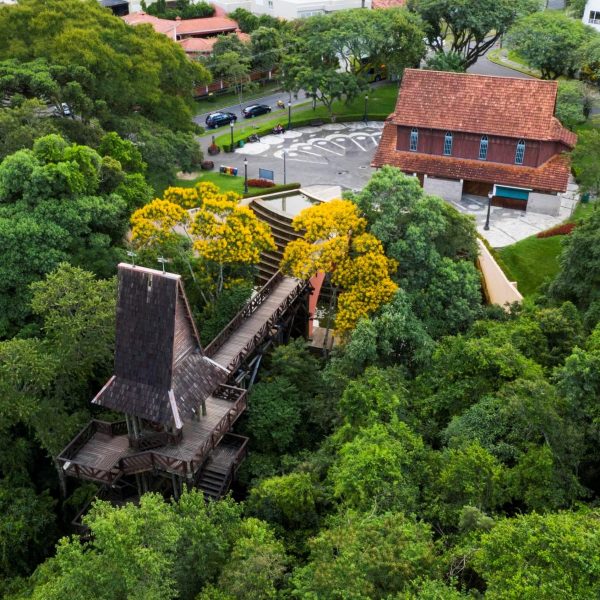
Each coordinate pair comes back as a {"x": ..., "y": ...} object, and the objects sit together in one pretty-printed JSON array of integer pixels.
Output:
[{"x": 247, "y": 335}]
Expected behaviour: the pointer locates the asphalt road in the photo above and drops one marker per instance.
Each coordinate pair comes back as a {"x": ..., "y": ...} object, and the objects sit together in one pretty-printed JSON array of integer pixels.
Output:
[{"x": 269, "y": 100}]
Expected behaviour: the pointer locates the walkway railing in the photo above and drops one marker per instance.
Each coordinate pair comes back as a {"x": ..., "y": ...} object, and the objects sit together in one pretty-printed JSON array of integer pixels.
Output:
[{"x": 244, "y": 314}]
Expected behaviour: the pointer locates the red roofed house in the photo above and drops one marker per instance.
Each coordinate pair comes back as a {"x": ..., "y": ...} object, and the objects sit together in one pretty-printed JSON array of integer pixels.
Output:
[{"x": 477, "y": 134}]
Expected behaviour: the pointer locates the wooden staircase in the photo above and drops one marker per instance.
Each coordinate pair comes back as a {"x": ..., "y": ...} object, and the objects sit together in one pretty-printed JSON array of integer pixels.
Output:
[{"x": 220, "y": 469}]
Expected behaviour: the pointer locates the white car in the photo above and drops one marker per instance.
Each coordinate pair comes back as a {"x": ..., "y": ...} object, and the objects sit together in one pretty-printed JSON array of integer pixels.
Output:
[{"x": 66, "y": 110}]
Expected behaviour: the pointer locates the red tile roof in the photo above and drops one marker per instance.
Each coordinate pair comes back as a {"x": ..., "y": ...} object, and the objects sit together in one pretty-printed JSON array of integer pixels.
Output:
[
  {"x": 206, "y": 26},
  {"x": 552, "y": 176},
  {"x": 504, "y": 106},
  {"x": 387, "y": 3},
  {"x": 193, "y": 45}
]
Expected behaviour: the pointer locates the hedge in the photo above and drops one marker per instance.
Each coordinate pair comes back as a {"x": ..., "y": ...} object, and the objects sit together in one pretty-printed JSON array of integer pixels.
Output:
[
  {"x": 274, "y": 189},
  {"x": 563, "y": 229}
]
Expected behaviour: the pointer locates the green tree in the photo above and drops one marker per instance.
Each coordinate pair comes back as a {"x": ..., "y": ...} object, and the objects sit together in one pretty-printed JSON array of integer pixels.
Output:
[
  {"x": 131, "y": 67},
  {"x": 585, "y": 156},
  {"x": 445, "y": 61},
  {"x": 553, "y": 556},
  {"x": 366, "y": 557},
  {"x": 380, "y": 469},
  {"x": 550, "y": 41},
  {"x": 578, "y": 279},
  {"x": 573, "y": 103},
  {"x": 27, "y": 528},
  {"x": 266, "y": 46},
  {"x": 469, "y": 27},
  {"x": 52, "y": 210}
]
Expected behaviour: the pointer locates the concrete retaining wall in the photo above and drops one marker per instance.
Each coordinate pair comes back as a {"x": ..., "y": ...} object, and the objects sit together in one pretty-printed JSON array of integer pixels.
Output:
[
  {"x": 546, "y": 204},
  {"x": 448, "y": 189}
]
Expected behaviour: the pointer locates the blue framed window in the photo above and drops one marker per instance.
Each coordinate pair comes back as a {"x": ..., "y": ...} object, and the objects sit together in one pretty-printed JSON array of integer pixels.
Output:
[
  {"x": 448, "y": 144},
  {"x": 520, "y": 154},
  {"x": 414, "y": 139},
  {"x": 483, "y": 147}
]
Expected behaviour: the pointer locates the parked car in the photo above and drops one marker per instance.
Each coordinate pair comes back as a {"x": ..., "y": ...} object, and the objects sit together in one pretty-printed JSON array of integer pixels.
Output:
[
  {"x": 217, "y": 119},
  {"x": 66, "y": 109},
  {"x": 255, "y": 109}
]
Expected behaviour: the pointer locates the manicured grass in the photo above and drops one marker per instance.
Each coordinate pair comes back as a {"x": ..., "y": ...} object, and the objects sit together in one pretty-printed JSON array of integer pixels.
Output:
[
  {"x": 231, "y": 98},
  {"x": 514, "y": 62},
  {"x": 227, "y": 183},
  {"x": 382, "y": 101},
  {"x": 531, "y": 261}
]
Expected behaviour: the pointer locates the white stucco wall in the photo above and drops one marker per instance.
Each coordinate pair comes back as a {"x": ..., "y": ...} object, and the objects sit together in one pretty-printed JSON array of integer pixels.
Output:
[
  {"x": 297, "y": 9},
  {"x": 448, "y": 189},
  {"x": 591, "y": 5},
  {"x": 545, "y": 204}
]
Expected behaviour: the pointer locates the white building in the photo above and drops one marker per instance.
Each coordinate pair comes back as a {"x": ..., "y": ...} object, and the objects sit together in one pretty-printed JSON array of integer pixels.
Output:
[
  {"x": 291, "y": 9},
  {"x": 591, "y": 14}
]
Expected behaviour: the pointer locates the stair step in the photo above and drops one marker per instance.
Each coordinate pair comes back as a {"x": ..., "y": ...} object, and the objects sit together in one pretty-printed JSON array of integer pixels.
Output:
[{"x": 212, "y": 479}]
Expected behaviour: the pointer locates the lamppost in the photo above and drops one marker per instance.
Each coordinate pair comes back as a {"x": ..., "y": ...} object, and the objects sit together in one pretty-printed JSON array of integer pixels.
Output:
[
  {"x": 366, "y": 101},
  {"x": 245, "y": 175},
  {"x": 231, "y": 123},
  {"x": 289, "y": 115},
  {"x": 487, "y": 219},
  {"x": 284, "y": 171}
]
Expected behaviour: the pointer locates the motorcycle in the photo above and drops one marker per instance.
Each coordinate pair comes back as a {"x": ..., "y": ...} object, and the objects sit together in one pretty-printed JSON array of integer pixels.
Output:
[{"x": 280, "y": 104}]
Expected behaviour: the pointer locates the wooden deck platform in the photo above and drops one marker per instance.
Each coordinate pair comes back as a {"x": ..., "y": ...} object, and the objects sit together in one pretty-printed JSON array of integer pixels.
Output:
[
  {"x": 101, "y": 454},
  {"x": 244, "y": 340}
]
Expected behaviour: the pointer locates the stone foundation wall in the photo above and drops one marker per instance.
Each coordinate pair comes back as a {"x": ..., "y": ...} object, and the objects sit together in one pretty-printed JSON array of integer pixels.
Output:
[
  {"x": 545, "y": 204},
  {"x": 448, "y": 189}
]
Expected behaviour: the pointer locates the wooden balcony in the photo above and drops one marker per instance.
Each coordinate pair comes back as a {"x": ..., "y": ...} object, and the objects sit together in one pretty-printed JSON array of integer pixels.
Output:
[{"x": 101, "y": 452}]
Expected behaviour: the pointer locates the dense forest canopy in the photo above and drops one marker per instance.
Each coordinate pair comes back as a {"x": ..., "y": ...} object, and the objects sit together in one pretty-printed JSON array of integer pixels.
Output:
[{"x": 444, "y": 449}]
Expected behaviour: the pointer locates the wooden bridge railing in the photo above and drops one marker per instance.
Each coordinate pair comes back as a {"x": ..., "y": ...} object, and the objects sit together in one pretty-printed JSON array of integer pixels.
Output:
[{"x": 250, "y": 307}]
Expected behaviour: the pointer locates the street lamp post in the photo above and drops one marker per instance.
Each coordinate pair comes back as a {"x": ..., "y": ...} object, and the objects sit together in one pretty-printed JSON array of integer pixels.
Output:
[
  {"x": 245, "y": 175},
  {"x": 284, "y": 171},
  {"x": 289, "y": 115},
  {"x": 487, "y": 219},
  {"x": 366, "y": 101},
  {"x": 231, "y": 127}
]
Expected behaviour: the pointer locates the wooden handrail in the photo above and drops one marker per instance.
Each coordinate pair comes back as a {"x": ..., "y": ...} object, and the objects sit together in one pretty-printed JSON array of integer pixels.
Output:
[{"x": 248, "y": 309}]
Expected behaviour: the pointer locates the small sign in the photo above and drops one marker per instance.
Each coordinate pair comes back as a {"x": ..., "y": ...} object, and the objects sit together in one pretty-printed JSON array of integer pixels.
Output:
[{"x": 266, "y": 174}]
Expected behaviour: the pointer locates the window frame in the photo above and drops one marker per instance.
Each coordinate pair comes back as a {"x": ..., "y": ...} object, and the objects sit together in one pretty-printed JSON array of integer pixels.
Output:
[
  {"x": 448, "y": 142},
  {"x": 413, "y": 143},
  {"x": 520, "y": 152},
  {"x": 484, "y": 144}
]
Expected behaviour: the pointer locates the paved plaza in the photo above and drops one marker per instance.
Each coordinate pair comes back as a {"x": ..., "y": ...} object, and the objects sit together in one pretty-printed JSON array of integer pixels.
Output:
[
  {"x": 332, "y": 154},
  {"x": 340, "y": 154}
]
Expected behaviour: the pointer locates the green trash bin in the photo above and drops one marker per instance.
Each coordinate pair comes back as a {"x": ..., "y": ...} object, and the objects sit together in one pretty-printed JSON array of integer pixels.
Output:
[
  {"x": 241, "y": 143},
  {"x": 585, "y": 198}
]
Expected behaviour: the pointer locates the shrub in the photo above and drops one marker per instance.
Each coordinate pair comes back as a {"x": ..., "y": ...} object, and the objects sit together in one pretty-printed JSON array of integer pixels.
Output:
[
  {"x": 207, "y": 165},
  {"x": 261, "y": 183},
  {"x": 564, "y": 229}
]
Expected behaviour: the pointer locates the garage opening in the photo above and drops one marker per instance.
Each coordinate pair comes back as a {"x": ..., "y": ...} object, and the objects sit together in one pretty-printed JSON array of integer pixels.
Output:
[{"x": 477, "y": 188}]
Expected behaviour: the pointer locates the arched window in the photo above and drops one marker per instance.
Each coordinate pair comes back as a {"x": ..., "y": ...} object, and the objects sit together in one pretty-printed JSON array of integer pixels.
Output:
[
  {"x": 520, "y": 154},
  {"x": 483, "y": 147},
  {"x": 448, "y": 144},
  {"x": 414, "y": 139}
]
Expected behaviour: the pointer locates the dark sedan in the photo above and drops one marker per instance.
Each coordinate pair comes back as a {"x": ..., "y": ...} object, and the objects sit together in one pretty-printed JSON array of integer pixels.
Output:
[
  {"x": 256, "y": 109},
  {"x": 217, "y": 119}
]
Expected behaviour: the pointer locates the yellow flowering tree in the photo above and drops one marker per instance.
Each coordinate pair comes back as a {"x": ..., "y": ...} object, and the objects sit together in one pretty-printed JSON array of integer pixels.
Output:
[
  {"x": 336, "y": 242},
  {"x": 222, "y": 232}
]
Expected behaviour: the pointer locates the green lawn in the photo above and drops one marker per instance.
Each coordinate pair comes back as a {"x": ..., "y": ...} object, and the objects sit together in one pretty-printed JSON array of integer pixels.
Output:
[
  {"x": 534, "y": 259},
  {"x": 227, "y": 183},
  {"x": 382, "y": 101},
  {"x": 231, "y": 98},
  {"x": 531, "y": 261}
]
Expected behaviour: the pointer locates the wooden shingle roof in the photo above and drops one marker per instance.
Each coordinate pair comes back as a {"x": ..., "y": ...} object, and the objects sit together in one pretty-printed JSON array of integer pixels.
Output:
[{"x": 161, "y": 373}]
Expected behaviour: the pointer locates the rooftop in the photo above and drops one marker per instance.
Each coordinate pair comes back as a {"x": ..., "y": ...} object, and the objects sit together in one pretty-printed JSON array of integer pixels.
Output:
[{"x": 503, "y": 106}]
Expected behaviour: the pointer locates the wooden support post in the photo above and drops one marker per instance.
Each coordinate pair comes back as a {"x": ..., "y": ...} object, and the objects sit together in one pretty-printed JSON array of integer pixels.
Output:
[{"x": 175, "y": 483}]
